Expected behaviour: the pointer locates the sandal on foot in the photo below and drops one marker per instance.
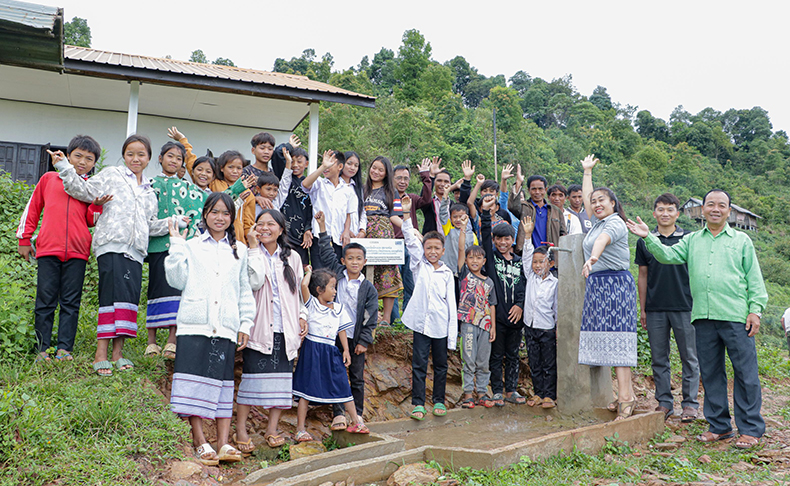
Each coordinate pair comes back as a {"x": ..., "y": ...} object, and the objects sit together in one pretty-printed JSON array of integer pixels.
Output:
[
  {"x": 124, "y": 364},
  {"x": 468, "y": 403},
  {"x": 485, "y": 401},
  {"x": 358, "y": 429},
  {"x": 548, "y": 403},
  {"x": 43, "y": 357},
  {"x": 612, "y": 407},
  {"x": 711, "y": 437},
  {"x": 516, "y": 399},
  {"x": 439, "y": 409},
  {"x": 535, "y": 400},
  {"x": 103, "y": 368},
  {"x": 303, "y": 436},
  {"x": 246, "y": 447},
  {"x": 228, "y": 453},
  {"x": 746, "y": 442},
  {"x": 419, "y": 409},
  {"x": 339, "y": 423},
  {"x": 63, "y": 355},
  {"x": 498, "y": 399},
  {"x": 689, "y": 415},
  {"x": 169, "y": 352},
  {"x": 206, "y": 455},
  {"x": 625, "y": 409},
  {"x": 668, "y": 412},
  {"x": 153, "y": 349},
  {"x": 274, "y": 441}
]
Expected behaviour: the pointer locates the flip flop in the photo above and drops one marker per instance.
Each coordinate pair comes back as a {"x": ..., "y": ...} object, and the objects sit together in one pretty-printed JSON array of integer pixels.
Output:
[
  {"x": 535, "y": 400},
  {"x": 516, "y": 399},
  {"x": 358, "y": 429},
  {"x": 153, "y": 349},
  {"x": 746, "y": 442},
  {"x": 711, "y": 437},
  {"x": 274, "y": 441},
  {"x": 63, "y": 355},
  {"x": 124, "y": 364},
  {"x": 498, "y": 399},
  {"x": 339, "y": 423},
  {"x": 468, "y": 403},
  {"x": 485, "y": 401},
  {"x": 418, "y": 409},
  {"x": 246, "y": 448},
  {"x": 439, "y": 409},
  {"x": 103, "y": 365},
  {"x": 548, "y": 403},
  {"x": 228, "y": 453},
  {"x": 42, "y": 357},
  {"x": 203, "y": 453},
  {"x": 169, "y": 352},
  {"x": 303, "y": 436}
]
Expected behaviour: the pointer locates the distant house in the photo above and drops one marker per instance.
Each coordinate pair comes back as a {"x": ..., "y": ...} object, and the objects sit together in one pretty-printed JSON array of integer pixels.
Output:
[
  {"x": 50, "y": 92},
  {"x": 739, "y": 217}
]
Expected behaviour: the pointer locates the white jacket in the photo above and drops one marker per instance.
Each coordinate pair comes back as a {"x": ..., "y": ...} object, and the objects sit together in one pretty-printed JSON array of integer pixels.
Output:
[{"x": 216, "y": 298}]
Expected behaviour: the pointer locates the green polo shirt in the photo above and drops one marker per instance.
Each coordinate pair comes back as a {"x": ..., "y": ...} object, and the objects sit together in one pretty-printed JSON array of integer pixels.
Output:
[{"x": 724, "y": 274}]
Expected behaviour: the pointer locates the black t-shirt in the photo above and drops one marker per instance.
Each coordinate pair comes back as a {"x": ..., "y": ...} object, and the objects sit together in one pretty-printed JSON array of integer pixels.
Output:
[{"x": 667, "y": 285}]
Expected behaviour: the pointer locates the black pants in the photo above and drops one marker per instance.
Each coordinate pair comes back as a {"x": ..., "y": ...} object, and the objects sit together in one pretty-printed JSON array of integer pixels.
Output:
[
  {"x": 542, "y": 351},
  {"x": 356, "y": 377},
  {"x": 505, "y": 348},
  {"x": 58, "y": 282},
  {"x": 423, "y": 345}
]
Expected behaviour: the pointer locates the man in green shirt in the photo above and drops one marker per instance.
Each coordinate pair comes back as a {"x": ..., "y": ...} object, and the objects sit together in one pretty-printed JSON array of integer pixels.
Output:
[{"x": 729, "y": 296}]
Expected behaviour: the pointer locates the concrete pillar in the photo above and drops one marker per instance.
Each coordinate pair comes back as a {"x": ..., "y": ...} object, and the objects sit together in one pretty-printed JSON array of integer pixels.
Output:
[
  {"x": 134, "y": 101},
  {"x": 579, "y": 387},
  {"x": 312, "y": 143}
]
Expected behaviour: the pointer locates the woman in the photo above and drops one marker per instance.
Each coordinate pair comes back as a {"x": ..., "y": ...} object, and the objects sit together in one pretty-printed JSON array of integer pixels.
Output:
[{"x": 608, "y": 332}]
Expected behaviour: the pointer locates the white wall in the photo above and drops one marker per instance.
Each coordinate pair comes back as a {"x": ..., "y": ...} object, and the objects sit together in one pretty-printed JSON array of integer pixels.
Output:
[{"x": 39, "y": 124}]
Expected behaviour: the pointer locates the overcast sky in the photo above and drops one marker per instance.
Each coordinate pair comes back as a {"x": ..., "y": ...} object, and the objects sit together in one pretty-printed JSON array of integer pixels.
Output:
[{"x": 657, "y": 55}]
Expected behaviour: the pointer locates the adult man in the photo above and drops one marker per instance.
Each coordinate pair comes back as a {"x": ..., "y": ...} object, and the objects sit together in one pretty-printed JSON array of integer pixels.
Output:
[
  {"x": 665, "y": 304},
  {"x": 786, "y": 326},
  {"x": 548, "y": 218},
  {"x": 728, "y": 291},
  {"x": 577, "y": 206},
  {"x": 557, "y": 196},
  {"x": 441, "y": 181}
]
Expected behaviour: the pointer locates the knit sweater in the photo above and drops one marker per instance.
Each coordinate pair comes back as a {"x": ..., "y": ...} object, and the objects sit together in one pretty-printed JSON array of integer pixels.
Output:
[{"x": 180, "y": 198}]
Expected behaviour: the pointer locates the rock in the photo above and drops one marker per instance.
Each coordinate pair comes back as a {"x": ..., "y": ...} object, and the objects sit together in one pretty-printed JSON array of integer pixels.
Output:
[
  {"x": 328, "y": 483},
  {"x": 183, "y": 483},
  {"x": 677, "y": 439},
  {"x": 549, "y": 418},
  {"x": 448, "y": 482},
  {"x": 666, "y": 446},
  {"x": 663, "y": 454},
  {"x": 306, "y": 449},
  {"x": 340, "y": 483},
  {"x": 705, "y": 459},
  {"x": 184, "y": 469},
  {"x": 413, "y": 475}
]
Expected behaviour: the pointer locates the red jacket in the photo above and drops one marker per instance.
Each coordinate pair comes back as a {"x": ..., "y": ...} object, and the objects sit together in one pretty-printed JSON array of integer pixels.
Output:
[{"x": 64, "y": 230}]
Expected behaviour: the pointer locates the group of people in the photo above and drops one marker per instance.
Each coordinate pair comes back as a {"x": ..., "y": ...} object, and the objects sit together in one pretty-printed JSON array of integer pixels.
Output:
[{"x": 235, "y": 265}]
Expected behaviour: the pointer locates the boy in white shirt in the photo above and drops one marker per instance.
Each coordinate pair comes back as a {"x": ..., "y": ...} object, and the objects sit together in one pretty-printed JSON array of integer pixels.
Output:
[{"x": 431, "y": 314}]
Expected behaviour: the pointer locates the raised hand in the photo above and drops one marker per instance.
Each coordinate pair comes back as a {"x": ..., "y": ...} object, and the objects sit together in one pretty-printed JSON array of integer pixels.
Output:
[
  {"x": 589, "y": 162},
  {"x": 425, "y": 165},
  {"x": 102, "y": 200},
  {"x": 436, "y": 166},
  {"x": 329, "y": 159},
  {"x": 507, "y": 172},
  {"x": 294, "y": 140},
  {"x": 405, "y": 203},
  {"x": 468, "y": 169},
  {"x": 464, "y": 219},
  {"x": 287, "y": 156},
  {"x": 639, "y": 229},
  {"x": 249, "y": 181},
  {"x": 527, "y": 224},
  {"x": 173, "y": 133},
  {"x": 56, "y": 156},
  {"x": 480, "y": 179},
  {"x": 173, "y": 226},
  {"x": 320, "y": 218},
  {"x": 519, "y": 176},
  {"x": 488, "y": 203}
]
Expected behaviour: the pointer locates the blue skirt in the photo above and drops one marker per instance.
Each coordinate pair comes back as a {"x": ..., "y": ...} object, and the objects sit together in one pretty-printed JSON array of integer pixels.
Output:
[
  {"x": 320, "y": 375},
  {"x": 608, "y": 332}
]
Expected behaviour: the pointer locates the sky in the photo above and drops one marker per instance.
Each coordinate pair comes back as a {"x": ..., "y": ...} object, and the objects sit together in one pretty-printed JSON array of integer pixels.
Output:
[{"x": 654, "y": 55}]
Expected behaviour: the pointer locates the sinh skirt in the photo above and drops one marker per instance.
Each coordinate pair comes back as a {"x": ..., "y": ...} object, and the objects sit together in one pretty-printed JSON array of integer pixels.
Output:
[
  {"x": 120, "y": 282},
  {"x": 203, "y": 377},
  {"x": 163, "y": 300},
  {"x": 608, "y": 332},
  {"x": 387, "y": 279},
  {"x": 320, "y": 375},
  {"x": 267, "y": 379}
]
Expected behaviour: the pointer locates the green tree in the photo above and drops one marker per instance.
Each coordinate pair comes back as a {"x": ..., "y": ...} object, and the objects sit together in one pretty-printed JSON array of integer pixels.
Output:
[
  {"x": 462, "y": 72},
  {"x": 223, "y": 62},
  {"x": 436, "y": 82},
  {"x": 508, "y": 111},
  {"x": 601, "y": 99},
  {"x": 649, "y": 127},
  {"x": 198, "y": 56},
  {"x": 415, "y": 56},
  {"x": 521, "y": 82},
  {"x": 77, "y": 33}
]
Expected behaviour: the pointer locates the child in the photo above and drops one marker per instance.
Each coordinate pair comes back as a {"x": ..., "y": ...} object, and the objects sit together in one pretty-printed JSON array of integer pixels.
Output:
[
  {"x": 278, "y": 329},
  {"x": 360, "y": 299},
  {"x": 352, "y": 176},
  {"x": 333, "y": 197},
  {"x": 262, "y": 150},
  {"x": 215, "y": 315},
  {"x": 273, "y": 189},
  {"x": 203, "y": 170},
  {"x": 62, "y": 248},
  {"x": 229, "y": 169},
  {"x": 320, "y": 375},
  {"x": 455, "y": 213},
  {"x": 476, "y": 311},
  {"x": 297, "y": 208},
  {"x": 177, "y": 198},
  {"x": 504, "y": 268},
  {"x": 431, "y": 314},
  {"x": 488, "y": 190},
  {"x": 540, "y": 319}
]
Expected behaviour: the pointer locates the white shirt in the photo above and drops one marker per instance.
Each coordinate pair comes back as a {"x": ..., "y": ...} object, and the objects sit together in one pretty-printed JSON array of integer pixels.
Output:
[
  {"x": 336, "y": 202},
  {"x": 271, "y": 262},
  {"x": 348, "y": 295},
  {"x": 786, "y": 317},
  {"x": 572, "y": 223},
  {"x": 324, "y": 324},
  {"x": 540, "y": 294},
  {"x": 432, "y": 310},
  {"x": 358, "y": 222},
  {"x": 213, "y": 254}
]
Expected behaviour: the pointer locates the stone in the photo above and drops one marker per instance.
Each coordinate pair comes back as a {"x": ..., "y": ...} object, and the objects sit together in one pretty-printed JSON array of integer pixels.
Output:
[
  {"x": 184, "y": 469},
  {"x": 305, "y": 449},
  {"x": 413, "y": 475},
  {"x": 678, "y": 439},
  {"x": 328, "y": 483},
  {"x": 705, "y": 459},
  {"x": 448, "y": 482},
  {"x": 183, "y": 483},
  {"x": 666, "y": 446}
]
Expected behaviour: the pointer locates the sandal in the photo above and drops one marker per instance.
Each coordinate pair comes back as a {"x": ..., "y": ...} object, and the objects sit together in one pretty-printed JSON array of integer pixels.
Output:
[
  {"x": 303, "y": 436},
  {"x": 746, "y": 442},
  {"x": 625, "y": 409},
  {"x": 439, "y": 409},
  {"x": 103, "y": 368},
  {"x": 548, "y": 403},
  {"x": 42, "y": 357},
  {"x": 206, "y": 455},
  {"x": 274, "y": 441},
  {"x": 485, "y": 401},
  {"x": 711, "y": 437},
  {"x": 419, "y": 409},
  {"x": 689, "y": 415},
  {"x": 124, "y": 364},
  {"x": 468, "y": 403},
  {"x": 228, "y": 453},
  {"x": 170, "y": 351},
  {"x": 612, "y": 407},
  {"x": 339, "y": 423},
  {"x": 63, "y": 355},
  {"x": 153, "y": 349},
  {"x": 668, "y": 412},
  {"x": 535, "y": 400},
  {"x": 499, "y": 400},
  {"x": 246, "y": 448},
  {"x": 358, "y": 429},
  {"x": 516, "y": 399}
]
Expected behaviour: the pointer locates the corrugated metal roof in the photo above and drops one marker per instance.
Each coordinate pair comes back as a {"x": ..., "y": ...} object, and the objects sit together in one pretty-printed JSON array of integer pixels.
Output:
[
  {"x": 29, "y": 14},
  {"x": 208, "y": 71},
  {"x": 698, "y": 202}
]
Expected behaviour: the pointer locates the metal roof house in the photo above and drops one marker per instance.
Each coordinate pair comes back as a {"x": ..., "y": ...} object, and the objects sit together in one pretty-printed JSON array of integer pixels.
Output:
[
  {"x": 739, "y": 217},
  {"x": 50, "y": 92}
]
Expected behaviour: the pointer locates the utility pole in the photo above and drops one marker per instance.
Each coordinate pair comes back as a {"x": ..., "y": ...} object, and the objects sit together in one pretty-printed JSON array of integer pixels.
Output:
[{"x": 496, "y": 170}]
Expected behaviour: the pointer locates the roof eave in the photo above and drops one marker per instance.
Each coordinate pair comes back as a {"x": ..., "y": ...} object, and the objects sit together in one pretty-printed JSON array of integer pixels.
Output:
[{"x": 89, "y": 68}]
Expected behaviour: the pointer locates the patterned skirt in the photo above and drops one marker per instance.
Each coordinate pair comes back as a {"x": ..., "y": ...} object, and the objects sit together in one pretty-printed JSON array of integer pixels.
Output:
[
  {"x": 163, "y": 300},
  {"x": 120, "y": 282},
  {"x": 386, "y": 277},
  {"x": 608, "y": 332},
  {"x": 267, "y": 379},
  {"x": 203, "y": 377}
]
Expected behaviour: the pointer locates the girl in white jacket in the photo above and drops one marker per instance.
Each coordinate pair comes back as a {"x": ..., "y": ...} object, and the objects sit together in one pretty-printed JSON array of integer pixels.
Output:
[{"x": 214, "y": 321}]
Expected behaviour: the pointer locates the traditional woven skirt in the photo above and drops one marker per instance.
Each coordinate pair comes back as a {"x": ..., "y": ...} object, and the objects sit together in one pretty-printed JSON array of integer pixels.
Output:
[
  {"x": 320, "y": 375},
  {"x": 163, "y": 300},
  {"x": 386, "y": 277},
  {"x": 203, "y": 377},
  {"x": 608, "y": 332},
  {"x": 267, "y": 379},
  {"x": 120, "y": 281}
]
